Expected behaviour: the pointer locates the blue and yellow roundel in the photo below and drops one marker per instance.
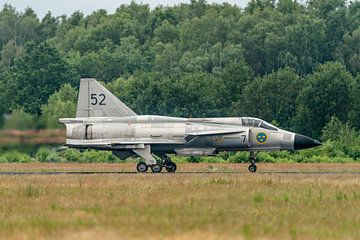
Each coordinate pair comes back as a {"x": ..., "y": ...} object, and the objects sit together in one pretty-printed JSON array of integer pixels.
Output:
[{"x": 261, "y": 137}]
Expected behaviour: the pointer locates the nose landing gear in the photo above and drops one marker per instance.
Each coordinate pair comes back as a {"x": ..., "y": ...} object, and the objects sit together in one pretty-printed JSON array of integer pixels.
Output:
[{"x": 252, "y": 168}]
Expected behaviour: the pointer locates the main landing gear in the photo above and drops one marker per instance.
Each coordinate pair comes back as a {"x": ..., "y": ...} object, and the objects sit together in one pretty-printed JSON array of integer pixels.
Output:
[
  {"x": 142, "y": 167},
  {"x": 252, "y": 168},
  {"x": 165, "y": 162}
]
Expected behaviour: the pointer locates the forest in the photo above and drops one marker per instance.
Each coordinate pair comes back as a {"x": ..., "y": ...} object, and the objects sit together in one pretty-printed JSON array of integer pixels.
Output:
[{"x": 293, "y": 64}]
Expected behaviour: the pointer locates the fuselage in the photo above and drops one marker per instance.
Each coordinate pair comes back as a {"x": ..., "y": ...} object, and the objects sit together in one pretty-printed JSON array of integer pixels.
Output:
[{"x": 181, "y": 136}]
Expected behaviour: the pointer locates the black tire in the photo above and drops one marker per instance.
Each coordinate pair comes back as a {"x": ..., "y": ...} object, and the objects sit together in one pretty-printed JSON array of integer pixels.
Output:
[
  {"x": 252, "y": 168},
  {"x": 171, "y": 167},
  {"x": 156, "y": 168},
  {"x": 142, "y": 167}
]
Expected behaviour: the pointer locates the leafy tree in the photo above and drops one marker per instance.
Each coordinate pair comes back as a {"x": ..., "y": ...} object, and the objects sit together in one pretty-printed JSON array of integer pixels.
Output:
[
  {"x": 48, "y": 27},
  {"x": 324, "y": 8},
  {"x": 166, "y": 33},
  {"x": 354, "y": 111},
  {"x": 139, "y": 90},
  {"x": 197, "y": 93},
  {"x": 344, "y": 137},
  {"x": 326, "y": 94},
  {"x": 156, "y": 19},
  {"x": 29, "y": 24},
  {"x": 166, "y": 59},
  {"x": 332, "y": 129},
  {"x": 5, "y": 96},
  {"x": 262, "y": 40},
  {"x": 305, "y": 43},
  {"x": 20, "y": 120},
  {"x": 334, "y": 13},
  {"x": 259, "y": 5},
  {"x": 349, "y": 52},
  {"x": 37, "y": 75},
  {"x": 289, "y": 7},
  {"x": 76, "y": 19},
  {"x": 9, "y": 24},
  {"x": 271, "y": 97},
  {"x": 20, "y": 28},
  {"x": 353, "y": 15},
  {"x": 61, "y": 104},
  {"x": 203, "y": 32},
  {"x": 194, "y": 59},
  {"x": 9, "y": 53},
  {"x": 138, "y": 15},
  {"x": 235, "y": 77},
  {"x": 110, "y": 63},
  {"x": 96, "y": 18},
  {"x": 113, "y": 29}
]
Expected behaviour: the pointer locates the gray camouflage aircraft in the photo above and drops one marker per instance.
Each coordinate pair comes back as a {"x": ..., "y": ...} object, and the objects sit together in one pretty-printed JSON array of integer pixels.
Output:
[{"x": 103, "y": 122}]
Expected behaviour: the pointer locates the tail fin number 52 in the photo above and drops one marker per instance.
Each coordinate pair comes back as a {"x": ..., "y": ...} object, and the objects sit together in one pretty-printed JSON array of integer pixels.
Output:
[{"x": 98, "y": 99}]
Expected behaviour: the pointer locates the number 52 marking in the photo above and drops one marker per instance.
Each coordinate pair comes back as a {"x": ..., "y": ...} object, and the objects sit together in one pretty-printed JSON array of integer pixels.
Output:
[{"x": 98, "y": 99}]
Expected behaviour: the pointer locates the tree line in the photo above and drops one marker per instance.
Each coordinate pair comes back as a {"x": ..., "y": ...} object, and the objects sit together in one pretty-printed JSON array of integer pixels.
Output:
[{"x": 293, "y": 64}]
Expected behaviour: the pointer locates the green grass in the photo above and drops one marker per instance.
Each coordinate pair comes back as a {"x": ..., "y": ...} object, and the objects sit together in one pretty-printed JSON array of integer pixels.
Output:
[{"x": 244, "y": 206}]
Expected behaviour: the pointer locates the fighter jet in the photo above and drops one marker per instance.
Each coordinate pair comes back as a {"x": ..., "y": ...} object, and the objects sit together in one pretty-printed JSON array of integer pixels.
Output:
[{"x": 103, "y": 122}]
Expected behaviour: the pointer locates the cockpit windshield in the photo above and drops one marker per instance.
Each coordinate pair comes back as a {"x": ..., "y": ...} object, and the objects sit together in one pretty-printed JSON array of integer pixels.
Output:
[
  {"x": 255, "y": 122},
  {"x": 268, "y": 126},
  {"x": 250, "y": 122}
]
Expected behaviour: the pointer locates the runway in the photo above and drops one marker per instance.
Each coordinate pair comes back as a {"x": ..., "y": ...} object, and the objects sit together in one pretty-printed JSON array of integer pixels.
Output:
[{"x": 178, "y": 173}]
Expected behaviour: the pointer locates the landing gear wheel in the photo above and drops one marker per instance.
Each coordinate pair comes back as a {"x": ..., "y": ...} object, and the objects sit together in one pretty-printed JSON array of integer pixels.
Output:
[
  {"x": 156, "y": 168},
  {"x": 171, "y": 167},
  {"x": 252, "y": 168},
  {"x": 142, "y": 167}
]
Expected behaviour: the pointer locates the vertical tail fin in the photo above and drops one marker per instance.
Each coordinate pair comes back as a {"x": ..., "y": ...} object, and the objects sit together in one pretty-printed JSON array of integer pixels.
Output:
[{"x": 96, "y": 101}]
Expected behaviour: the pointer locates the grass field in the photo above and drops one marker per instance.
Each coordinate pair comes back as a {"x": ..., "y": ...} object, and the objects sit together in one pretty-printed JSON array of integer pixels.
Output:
[
  {"x": 181, "y": 206},
  {"x": 198, "y": 167}
]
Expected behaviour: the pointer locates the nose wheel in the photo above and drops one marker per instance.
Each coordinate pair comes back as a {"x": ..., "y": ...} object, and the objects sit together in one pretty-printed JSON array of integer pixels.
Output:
[{"x": 252, "y": 168}]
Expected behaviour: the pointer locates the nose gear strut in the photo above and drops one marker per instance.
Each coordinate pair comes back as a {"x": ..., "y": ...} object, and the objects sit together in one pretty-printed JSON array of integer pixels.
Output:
[{"x": 252, "y": 168}]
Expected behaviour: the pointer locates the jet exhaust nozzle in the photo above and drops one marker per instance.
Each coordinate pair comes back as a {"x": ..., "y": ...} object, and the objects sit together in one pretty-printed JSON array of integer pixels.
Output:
[{"x": 303, "y": 142}]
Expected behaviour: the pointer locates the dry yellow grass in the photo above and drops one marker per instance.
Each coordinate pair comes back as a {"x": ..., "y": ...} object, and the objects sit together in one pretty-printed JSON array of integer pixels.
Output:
[
  {"x": 180, "y": 206},
  {"x": 208, "y": 167}
]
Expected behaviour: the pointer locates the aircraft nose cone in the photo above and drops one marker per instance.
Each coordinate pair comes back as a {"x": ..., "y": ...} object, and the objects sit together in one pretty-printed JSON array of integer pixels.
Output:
[{"x": 303, "y": 142}]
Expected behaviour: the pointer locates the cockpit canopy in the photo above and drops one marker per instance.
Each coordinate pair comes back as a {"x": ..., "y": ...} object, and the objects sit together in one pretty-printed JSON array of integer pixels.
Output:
[{"x": 255, "y": 122}]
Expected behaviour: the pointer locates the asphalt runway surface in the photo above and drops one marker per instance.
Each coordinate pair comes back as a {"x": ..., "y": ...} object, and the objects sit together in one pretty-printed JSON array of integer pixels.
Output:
[{"x": 177, "y": 173}]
